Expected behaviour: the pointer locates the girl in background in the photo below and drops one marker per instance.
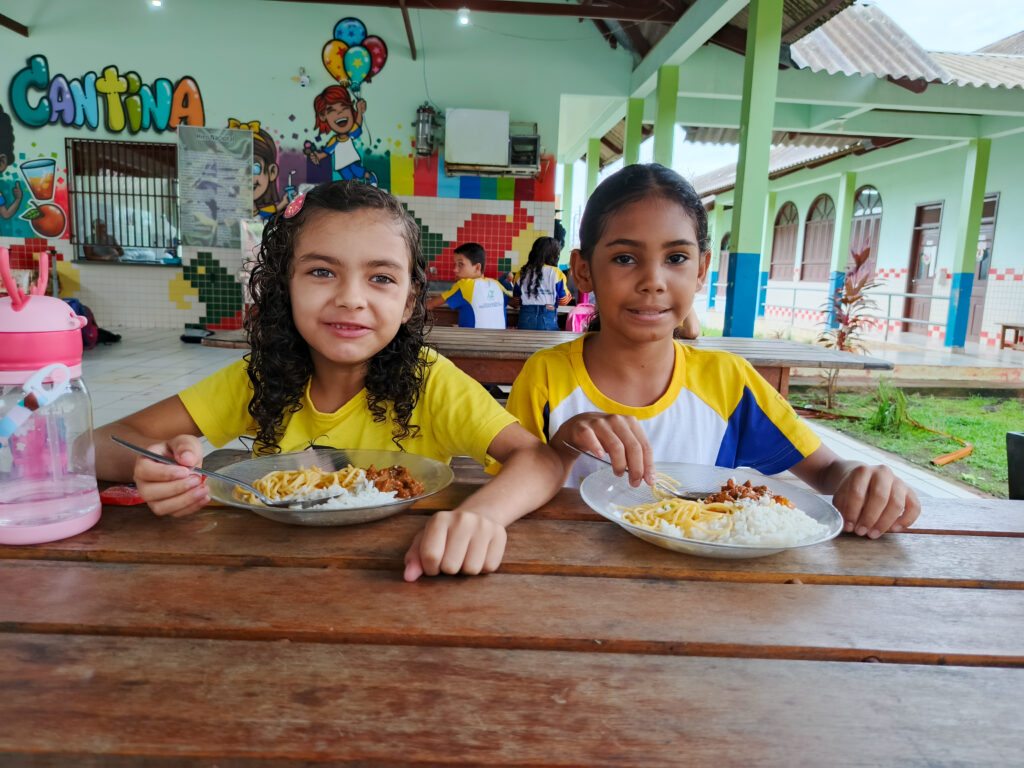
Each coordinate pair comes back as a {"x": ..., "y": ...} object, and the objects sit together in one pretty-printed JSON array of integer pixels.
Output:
[
  {"x": 540, "y": 287},
  {"x": 338, "y": 359},
  {"x": 633, "y": 393}
]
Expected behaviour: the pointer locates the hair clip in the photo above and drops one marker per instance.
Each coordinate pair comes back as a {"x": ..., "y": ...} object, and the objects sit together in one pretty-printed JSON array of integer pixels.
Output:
[{"x": 295, "y": 206}]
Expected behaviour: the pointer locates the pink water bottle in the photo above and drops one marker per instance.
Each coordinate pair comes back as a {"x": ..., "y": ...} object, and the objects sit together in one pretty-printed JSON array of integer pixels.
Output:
[{"x": 47, "y": 461}]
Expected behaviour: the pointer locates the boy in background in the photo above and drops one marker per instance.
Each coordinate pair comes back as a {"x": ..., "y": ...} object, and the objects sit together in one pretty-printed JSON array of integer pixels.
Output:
[{"x": 480, "y": 301}]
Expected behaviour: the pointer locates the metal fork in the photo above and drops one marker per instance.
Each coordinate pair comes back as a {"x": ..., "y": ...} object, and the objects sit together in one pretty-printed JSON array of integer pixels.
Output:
[
  {"x": 233, "y": 481},
  {"x": 659, "y": 484}
]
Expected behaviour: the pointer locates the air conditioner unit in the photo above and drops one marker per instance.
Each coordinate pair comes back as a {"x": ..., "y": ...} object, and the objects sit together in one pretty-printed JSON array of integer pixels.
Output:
[{"x": 478, "y": 142}]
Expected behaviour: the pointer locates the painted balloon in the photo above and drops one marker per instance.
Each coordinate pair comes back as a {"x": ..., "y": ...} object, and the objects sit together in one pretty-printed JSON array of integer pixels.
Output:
[
  {"x": 378, "y": 54},
  {"x": 350, "y": 31},
  {"x": 357, "y": 64},
  {"x": 334, "y": 59}
]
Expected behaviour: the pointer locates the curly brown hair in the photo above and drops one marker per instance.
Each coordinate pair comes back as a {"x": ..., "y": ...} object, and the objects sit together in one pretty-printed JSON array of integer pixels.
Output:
[{"x": 280, "y": 363}]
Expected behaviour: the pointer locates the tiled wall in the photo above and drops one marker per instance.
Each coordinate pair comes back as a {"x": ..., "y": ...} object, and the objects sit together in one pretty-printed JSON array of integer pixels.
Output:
[{"x": 504, "y": 215}]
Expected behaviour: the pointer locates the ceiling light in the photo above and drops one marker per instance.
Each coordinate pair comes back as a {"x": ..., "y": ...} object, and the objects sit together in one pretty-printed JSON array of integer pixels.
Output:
[
  {"x": 156, "y": 3},
  {"x": 463, "y": 17}
]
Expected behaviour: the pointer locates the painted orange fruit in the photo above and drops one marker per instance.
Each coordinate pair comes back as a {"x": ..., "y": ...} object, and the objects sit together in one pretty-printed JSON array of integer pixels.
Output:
[{"x": 50, "y": 222}]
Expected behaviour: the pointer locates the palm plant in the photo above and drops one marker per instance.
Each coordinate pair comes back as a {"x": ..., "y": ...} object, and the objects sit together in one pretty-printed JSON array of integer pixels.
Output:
[{"x": 851, "y": 311}]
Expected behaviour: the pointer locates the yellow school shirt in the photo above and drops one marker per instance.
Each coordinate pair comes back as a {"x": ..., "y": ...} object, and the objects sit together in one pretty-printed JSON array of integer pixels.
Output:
[{"x": 456, "y": 416}]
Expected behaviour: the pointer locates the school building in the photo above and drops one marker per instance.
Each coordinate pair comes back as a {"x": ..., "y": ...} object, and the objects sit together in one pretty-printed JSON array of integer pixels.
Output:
[{"x": 920, "y": 154}]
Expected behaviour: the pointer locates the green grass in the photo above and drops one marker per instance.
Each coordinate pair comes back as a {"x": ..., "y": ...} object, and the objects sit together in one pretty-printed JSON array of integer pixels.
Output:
[{"x": 981, "y": 421}]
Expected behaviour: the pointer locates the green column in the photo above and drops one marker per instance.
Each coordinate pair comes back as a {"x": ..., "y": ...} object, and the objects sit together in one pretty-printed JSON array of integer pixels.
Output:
[
  {"x": 767, "y": 238},
  {"x": 968, "y": 225},
  {"x": 634, "y": 134},
  {"x": 593, "y": 164},
  {"x": 841, "y": 238},
  {"x": 757, "y": 111},
  {"x": 665, "y": 122},
  {"x": 566, "y": 211}
]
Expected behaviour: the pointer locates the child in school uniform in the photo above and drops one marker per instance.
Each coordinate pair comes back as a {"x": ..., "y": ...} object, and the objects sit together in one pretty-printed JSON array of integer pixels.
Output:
[
  {"x": 541, "y": 287},
  {"x": 480, "y": 301},
  {"x": 338, "y": 359},
  {"x": 633, "y": 393}
]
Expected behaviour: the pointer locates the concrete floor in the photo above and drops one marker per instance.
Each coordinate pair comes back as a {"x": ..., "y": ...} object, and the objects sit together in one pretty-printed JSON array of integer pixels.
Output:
[{"x": 149, "y": 365}]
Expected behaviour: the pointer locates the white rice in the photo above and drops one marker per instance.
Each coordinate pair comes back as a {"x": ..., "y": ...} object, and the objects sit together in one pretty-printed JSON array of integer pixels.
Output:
[
  {"x": 362, "y": 493},
  {"x": 757, "y": 523}
]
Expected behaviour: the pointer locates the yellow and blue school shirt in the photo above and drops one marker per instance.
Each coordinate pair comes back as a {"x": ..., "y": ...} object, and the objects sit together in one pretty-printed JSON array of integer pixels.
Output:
[
  {"x": 717, "y": 410},
  {"x": 480, "y": 302},
  {"x": 552, "y": 288}
]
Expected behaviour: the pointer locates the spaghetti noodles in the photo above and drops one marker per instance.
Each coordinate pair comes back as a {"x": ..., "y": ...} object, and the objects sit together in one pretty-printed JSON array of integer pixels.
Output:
[{"x": 302, "y": 484}]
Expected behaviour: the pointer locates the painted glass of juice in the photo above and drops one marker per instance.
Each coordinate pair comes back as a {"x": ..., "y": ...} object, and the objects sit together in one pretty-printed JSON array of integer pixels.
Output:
[{"x": 40, "y": 174}]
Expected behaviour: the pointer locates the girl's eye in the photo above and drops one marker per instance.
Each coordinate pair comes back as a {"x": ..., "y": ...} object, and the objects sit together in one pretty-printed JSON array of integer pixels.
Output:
[
  {"x": 677, "y": 258},
  {"x": 382, "y": 279},
  {"x": 321, "y": 272},
  {"x": 623, "y": 258}
]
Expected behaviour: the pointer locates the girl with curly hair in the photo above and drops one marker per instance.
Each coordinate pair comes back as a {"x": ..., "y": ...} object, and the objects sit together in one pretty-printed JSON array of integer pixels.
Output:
[{"x": 338, "y": 359}]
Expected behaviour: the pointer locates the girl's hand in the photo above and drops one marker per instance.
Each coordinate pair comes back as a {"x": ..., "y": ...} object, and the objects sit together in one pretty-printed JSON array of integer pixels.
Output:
[
  {"x": 172, "y": 490},
  {"x": 620, "y": 437},
  {"x": 873, "y": 500},
  {"x": 456, "y": 542}
]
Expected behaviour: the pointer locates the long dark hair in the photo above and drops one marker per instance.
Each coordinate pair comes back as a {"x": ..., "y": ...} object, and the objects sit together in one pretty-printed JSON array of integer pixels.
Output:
[
  {"x": 633, "y": 183},
  {"x": 545, "y": 250},
  {"x": 280, "y": 362}
]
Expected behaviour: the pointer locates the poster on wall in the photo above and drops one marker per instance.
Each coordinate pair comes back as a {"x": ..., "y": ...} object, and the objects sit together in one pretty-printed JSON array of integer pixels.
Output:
[{"x": 214, "y": 184}]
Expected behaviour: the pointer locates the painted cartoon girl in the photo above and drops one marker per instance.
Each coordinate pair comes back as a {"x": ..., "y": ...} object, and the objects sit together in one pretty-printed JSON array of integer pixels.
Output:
[
  {"x": 266, "y": 200},
  {"x": 335, "y": 112},
  {"x": 8, "y": 207}
]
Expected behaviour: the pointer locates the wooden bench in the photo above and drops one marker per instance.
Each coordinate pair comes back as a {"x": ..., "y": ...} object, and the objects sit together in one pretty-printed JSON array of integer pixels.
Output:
[{"x": 1018, "y": 331}]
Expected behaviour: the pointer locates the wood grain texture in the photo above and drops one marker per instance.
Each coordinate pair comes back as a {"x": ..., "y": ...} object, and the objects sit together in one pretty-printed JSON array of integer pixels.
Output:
[
  {"x": 231, "y": 537},
  {"x": 375, "y": 705},
  {"x": 794, "y": 621}
]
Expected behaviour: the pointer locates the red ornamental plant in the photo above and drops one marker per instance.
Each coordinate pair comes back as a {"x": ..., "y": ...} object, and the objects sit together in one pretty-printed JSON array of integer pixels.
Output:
[{"x": 851, "y": 310}]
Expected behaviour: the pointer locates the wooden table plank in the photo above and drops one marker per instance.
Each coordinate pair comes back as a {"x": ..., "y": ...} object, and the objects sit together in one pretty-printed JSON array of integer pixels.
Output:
[
  {"x": 196, "y": 699},
  {"x": 561, "y": 547},
  {"x": 909, "y": 625}
]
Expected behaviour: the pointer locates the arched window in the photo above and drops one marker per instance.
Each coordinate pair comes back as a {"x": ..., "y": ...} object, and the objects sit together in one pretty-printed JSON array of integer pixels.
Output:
[
  {"x": 818, "y": 232},
  {"x": 723, "y": 266},
  {"x": 867, "y": 221},
  {"x": 787, "y": 227}
]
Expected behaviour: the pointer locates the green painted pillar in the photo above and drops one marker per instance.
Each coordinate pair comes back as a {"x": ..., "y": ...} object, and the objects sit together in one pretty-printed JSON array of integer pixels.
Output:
[
  {"x": 757, "y": 111},
  {"x": 665, "y": 122},
  {"x": 634, "y": 134},
  {"x": 593, "y": 164},
  {"x": 965, "y": 252},
  {"x": 767, "y": 238},
  {"x": 566, "y": 211},
  {"x": 715, "y": 234},
  {"x": 841, "y": 239}
]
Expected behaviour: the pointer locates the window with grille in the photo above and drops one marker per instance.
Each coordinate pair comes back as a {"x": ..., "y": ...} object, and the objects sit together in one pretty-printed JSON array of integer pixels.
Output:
[
  {"x": 787, "y": 227},
  {"x": 818, "y": 231},
  {"x": 122, "y": 200}
]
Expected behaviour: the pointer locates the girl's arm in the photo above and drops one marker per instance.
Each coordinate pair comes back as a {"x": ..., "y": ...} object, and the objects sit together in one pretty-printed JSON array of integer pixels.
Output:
[
  {"x": 471, "y": 538},
  {"x": 872, "y": 500},
  {"x": 165, "y": 428}
]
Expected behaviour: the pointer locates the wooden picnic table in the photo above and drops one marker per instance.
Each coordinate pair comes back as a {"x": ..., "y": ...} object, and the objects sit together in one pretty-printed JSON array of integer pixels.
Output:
[
  {"x": 224, "y": 638},
  {"x": 496, "y": 357}
]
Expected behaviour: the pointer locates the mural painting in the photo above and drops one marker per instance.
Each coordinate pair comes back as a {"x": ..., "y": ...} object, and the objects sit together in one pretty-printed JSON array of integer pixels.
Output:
[
  {"x": 266, "y": 196},
  {"x": 34, "y": 202},
  {"x": 352, "y": 58}
]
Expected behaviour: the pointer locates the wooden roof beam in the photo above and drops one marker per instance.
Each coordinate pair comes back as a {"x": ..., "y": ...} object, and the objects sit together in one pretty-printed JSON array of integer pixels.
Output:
[
  {"x": 408, "y": 28},
  {"x": 638, "y": 11},
  {"x": 11, "y": 24}
]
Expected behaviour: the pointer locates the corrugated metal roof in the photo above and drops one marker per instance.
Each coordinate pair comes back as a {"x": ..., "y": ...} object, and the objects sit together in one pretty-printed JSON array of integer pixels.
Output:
[
  {"x": 780, "y": 159},
  {"x": 979, "y": 69},
  {"x": 862, "y": 40},
  {"x": 779, "y": 138},
  {"x": 1012, "y": 45}
]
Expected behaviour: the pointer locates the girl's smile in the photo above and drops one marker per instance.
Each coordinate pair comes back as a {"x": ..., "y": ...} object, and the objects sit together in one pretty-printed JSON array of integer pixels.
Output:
[{"x": 350, "y": 287}]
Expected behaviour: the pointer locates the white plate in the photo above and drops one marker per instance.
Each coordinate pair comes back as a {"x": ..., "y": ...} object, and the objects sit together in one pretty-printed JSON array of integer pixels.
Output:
[
  {"x": 603, "y": 492},
  {"x": 432, "y": 473}
]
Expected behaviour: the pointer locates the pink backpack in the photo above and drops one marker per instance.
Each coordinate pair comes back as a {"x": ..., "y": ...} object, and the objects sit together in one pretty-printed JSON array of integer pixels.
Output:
[{"x": 579, "y": 316}]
